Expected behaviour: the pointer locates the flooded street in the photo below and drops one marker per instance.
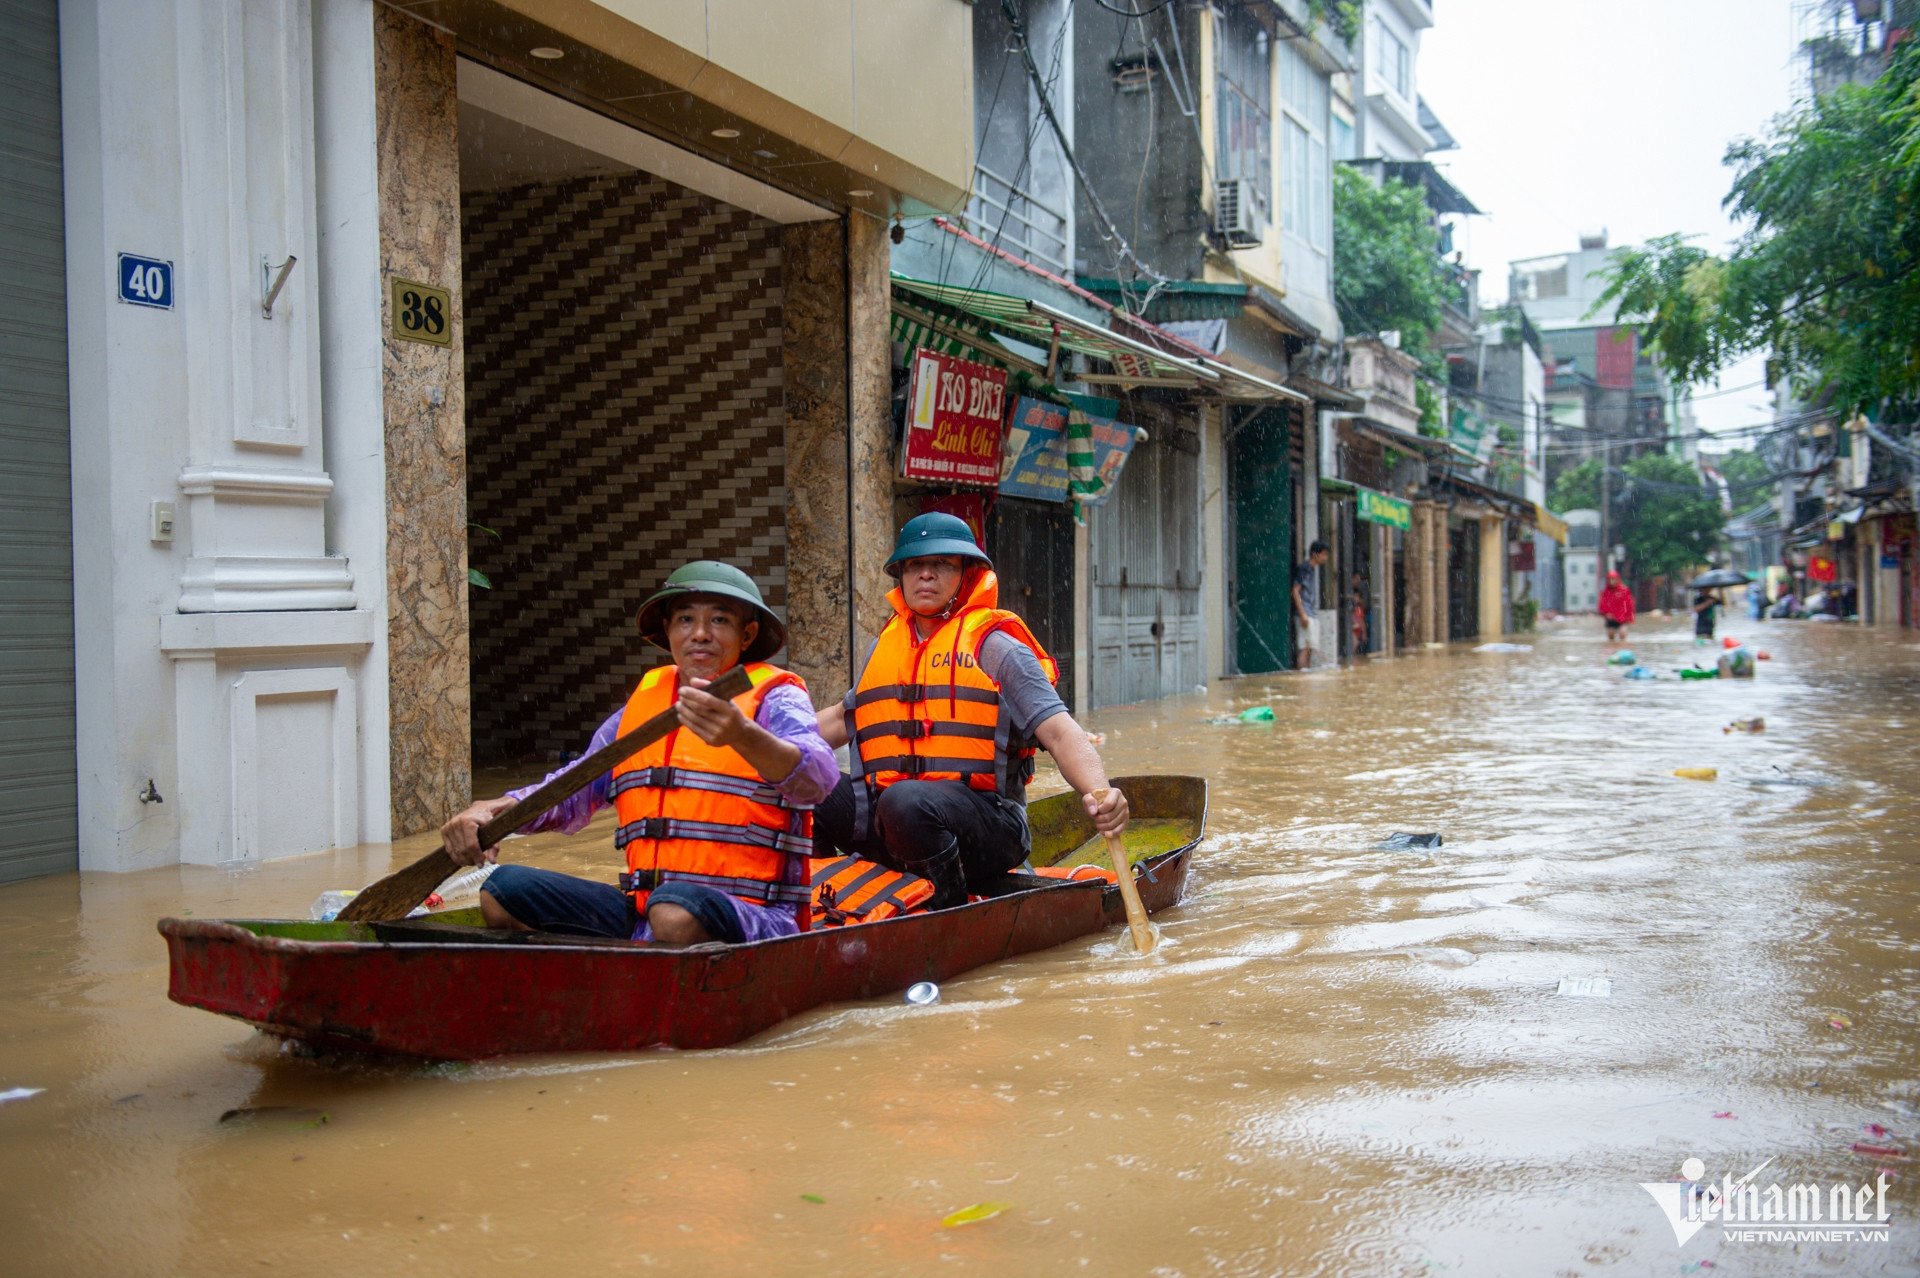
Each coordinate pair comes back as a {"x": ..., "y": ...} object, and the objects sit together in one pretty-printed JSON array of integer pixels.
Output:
[{"x": 1342, "y": 1060}]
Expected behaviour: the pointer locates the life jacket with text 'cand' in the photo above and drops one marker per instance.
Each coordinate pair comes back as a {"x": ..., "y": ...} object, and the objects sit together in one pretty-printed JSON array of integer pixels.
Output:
[
  {"x": 690, "y": 812},
  {"x": 926, "y": 711}
]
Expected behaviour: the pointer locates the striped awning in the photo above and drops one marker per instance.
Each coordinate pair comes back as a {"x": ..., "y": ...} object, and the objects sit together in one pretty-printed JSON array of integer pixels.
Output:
[{"x": 1040, "y": 325}]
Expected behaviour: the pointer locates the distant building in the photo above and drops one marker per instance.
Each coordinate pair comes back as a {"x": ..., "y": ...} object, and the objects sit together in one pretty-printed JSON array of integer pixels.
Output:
[{"x": 1606, "y": 394}]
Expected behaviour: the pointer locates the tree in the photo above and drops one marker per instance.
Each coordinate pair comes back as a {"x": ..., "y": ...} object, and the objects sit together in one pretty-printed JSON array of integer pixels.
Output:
[
  {"x": 1386, "y": 259},
  {"x": 1661, "y": 512},
  {"x": 1667, "y": 519},
  {"x": 1749, "y": 477},
  {"x": 1577, "y": 488},
  {"x": 1826, "y": 274},
  {"x": 1387, "y": 273}
]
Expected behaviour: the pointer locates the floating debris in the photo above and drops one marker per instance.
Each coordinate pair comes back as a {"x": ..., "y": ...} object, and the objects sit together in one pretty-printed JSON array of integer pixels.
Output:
[
  {"x": 1697, "y": 774},
  {"x": 1400, "y": 841},
  {"x": 1586, "y": 987},
  {"x": 975, "y": 1214},
  {"x": 19, "y": 1093}
]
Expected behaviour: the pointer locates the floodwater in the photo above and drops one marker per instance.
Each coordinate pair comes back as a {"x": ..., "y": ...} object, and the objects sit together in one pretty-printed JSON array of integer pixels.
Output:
[{"x": 1341, "y": 1061}]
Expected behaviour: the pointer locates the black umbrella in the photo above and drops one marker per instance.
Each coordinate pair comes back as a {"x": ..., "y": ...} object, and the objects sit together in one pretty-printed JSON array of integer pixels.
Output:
[{"x": 1717, "y": 578}]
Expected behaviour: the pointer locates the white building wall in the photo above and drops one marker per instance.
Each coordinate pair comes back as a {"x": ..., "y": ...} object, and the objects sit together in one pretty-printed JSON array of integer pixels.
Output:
[
  {"x": 203, "y": 155},
  {"x": 1390, "y": 112}
]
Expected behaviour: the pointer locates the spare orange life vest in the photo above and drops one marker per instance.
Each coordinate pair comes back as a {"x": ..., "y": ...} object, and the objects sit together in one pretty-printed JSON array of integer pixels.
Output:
[
  {"x": 694, "y": 813},
  {"x": 926, "y": 711},
  {"x": 848, "y": 889}
]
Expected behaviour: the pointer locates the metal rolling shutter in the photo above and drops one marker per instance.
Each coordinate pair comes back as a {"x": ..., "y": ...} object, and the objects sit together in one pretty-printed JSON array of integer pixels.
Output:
[{"x": 37, "y": 810}]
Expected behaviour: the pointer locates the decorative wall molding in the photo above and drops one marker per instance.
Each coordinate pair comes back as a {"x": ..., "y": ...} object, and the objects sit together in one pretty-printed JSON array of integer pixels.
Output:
[{"x": 303, "y": 721}]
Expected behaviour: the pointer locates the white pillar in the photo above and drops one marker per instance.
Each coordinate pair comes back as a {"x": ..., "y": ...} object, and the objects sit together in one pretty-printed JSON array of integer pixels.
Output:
[{"x": 202, "y": 157}]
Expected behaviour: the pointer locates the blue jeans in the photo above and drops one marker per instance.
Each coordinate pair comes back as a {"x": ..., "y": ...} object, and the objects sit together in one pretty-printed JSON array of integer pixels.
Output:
[{"x": 548, "y": 901}]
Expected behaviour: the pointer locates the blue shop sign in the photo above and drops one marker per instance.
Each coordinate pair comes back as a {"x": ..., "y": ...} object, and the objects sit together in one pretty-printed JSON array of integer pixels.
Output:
[{"x": 1033, "y": 457}]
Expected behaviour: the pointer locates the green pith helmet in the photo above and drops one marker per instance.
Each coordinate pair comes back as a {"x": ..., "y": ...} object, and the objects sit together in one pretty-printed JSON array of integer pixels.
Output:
[
  {"x": 934, "y": 533},
  {"x": 711, "y": 577}
]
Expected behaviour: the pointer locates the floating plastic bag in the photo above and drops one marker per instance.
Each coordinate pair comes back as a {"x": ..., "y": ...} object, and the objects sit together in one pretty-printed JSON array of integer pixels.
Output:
[
  {"x": 1639, "y": 672},
  {"x": 1624, "y": 657},
  {"x": 1504, "y": 647},
  {"x": 1697, "y": 774},
  {"x": 1695, "y": 672},
  {"x": 1737, "y": 664},
  {"x": 1400, "y": 841},
  {"x": 1257, "y": 714}
]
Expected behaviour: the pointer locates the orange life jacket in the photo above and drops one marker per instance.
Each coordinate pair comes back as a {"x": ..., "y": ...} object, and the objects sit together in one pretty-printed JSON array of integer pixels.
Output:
[
  {"x": 928, "y": 712},
  {"x": 694, "y": 813},
  {"x": 847, "y": 889},
  {"x": 1103, "y": 872}
]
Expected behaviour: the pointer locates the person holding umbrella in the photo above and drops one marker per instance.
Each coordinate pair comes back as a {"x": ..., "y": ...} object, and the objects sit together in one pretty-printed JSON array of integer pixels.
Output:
[{"x": 1706, "y": 598}]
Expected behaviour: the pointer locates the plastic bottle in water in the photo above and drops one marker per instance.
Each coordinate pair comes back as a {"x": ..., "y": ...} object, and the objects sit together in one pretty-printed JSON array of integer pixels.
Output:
[{"x": 327, "y": 906}]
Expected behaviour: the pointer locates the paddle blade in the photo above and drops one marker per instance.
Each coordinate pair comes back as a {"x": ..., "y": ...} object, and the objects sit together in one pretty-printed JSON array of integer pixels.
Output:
[{"x": 395, "y": 896}]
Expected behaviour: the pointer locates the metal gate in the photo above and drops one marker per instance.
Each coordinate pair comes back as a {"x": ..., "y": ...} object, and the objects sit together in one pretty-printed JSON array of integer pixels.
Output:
[
  {"x": 1463, "y": 580},
  {"x": 1032, "y": 548},
  {"x": 38, "y": 825},
  {"x": 1259, "y": 474},
  {"x": 1146, "y": 575}
]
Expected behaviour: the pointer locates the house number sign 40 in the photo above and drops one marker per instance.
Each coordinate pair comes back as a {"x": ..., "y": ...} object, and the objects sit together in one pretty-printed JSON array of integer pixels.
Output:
[{"x": 422, "y": 313}]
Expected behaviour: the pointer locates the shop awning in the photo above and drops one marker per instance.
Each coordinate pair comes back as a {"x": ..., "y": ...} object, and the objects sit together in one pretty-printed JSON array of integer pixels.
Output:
[
  {"x": 1394, "y": 437},
  {"x": 1330, "y": 395},
  {"x": 1042, "y": 326},
  {"x": 1549, "y": 523},
  {"x": 1177, "y": 300}
]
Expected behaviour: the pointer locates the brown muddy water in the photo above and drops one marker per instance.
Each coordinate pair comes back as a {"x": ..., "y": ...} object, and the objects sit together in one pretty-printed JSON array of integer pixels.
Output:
[{"x": 1342, "y": 1060}]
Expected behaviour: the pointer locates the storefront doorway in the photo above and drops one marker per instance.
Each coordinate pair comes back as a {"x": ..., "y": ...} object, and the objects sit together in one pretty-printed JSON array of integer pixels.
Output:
[
  {"x": 1027, "y": 540},
  {"x": 38, "y": 809},
  {"x": 1259, "y": 475},
  {"x": 625, "y": 399},
  {"x": 1146, "y": 574}
]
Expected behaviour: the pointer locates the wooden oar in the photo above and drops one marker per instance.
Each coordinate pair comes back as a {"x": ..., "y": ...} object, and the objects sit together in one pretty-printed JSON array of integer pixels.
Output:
[
  {"x": 1129, "y": 890},
  {"x": 395, "y": 896}
]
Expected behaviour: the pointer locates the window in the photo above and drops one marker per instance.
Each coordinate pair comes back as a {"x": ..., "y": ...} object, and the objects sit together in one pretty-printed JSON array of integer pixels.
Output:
[
  {"x": 1246, "y": 103},
  {"x": 1344, "y": 147},
  {"x": 1393, "y": 61},
  {"x": 1306, "y": 199}
]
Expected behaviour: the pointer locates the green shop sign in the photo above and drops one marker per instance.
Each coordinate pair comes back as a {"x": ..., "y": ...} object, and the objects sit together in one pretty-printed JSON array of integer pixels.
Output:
[{"x": 1378, "y": 508}]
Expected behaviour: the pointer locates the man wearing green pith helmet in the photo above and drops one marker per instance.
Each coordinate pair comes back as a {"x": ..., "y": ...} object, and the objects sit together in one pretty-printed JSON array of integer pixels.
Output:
[
  {"x": 944, "y": 721},
  {"x": 714, "y": 818}
]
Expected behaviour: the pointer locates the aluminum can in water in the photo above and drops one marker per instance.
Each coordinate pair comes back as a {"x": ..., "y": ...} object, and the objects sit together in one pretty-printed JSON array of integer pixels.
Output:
[{"x": 923, "y": 993}]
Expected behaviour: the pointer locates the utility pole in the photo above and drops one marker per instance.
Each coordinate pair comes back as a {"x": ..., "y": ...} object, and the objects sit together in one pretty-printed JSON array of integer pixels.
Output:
[{"x": 1606, "y": 464}]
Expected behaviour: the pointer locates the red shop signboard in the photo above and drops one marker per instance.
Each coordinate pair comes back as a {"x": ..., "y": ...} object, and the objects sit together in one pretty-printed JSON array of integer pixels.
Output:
[{"x": 953, "y": 422}]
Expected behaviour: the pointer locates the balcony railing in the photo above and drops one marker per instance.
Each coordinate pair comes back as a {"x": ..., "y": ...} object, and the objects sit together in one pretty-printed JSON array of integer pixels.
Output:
[{"x": 1012, "y": 218}]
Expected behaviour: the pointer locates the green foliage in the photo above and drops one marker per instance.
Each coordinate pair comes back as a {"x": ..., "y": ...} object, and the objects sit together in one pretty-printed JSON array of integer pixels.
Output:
[
  {"x": 1525, "y": 612},
  {"x": 1341, "y": 16},
  {"x": 1661, "y": 511},
  {"x": 1826, "y": 275},
  {"x": 1749, "y": 477},
  {"x": 1387, "y": 272},
  {"x": 1428, "y": 398},
  {"x": 1577, "y": 488},
  {"x": 1667, "y": 519}
]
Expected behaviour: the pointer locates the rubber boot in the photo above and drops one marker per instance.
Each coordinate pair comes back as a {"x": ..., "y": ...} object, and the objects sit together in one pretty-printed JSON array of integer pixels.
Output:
[{"x": 942, "y": 869}]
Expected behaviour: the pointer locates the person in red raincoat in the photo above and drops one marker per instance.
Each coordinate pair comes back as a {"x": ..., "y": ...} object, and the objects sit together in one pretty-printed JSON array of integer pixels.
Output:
[{"x": 1616, "y": 608}]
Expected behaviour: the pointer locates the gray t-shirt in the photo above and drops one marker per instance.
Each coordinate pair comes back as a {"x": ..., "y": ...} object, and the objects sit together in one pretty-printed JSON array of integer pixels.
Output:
[
  {"x": 1307, "y": 577},
  {"x": 1029, "y": 699}
]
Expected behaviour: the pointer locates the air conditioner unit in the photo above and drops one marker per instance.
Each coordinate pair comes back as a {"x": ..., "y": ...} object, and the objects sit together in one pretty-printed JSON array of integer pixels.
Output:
[{"x": 1236, "y": 214}]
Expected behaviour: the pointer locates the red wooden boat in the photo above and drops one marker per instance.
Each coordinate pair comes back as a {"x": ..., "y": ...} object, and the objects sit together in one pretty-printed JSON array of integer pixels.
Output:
[{"x": 444, "y": 987}]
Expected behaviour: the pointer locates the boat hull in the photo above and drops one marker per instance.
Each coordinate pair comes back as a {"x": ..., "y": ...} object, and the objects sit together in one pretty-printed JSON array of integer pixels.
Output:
[{"x": 451, "y": 993}]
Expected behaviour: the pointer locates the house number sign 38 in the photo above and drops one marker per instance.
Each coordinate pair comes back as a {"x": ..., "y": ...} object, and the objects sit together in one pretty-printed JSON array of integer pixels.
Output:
[{"x": 422, "y": 313}]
